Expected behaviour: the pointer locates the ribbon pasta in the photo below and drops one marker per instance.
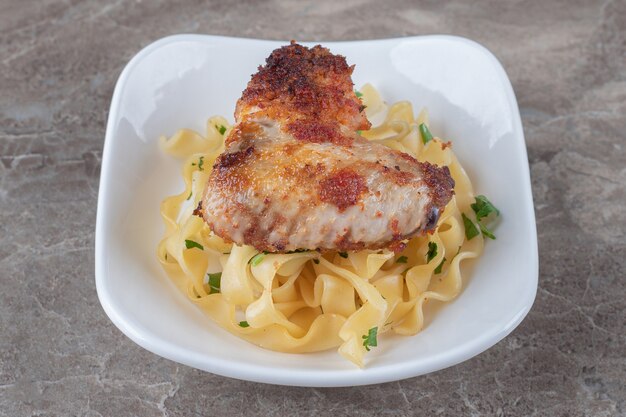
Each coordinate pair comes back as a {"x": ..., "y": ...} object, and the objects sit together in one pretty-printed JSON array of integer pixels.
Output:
[{"x": 307, "y": 301}]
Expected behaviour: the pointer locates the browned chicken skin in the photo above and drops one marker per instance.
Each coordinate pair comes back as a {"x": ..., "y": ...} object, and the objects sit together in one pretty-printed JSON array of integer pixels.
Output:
[{"x": 296, "y": 175}]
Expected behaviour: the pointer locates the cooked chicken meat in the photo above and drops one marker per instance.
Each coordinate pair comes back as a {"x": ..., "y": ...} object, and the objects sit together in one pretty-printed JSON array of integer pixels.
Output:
[{"x": 296, "y": 175}]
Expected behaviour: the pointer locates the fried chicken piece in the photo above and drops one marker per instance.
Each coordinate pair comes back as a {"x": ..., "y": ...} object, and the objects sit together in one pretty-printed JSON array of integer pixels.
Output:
[{"x": 296, "y": 175}]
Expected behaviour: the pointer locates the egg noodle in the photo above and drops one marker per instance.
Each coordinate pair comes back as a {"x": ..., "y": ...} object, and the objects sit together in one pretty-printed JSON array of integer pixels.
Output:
[{"x": 309, "y": 301}]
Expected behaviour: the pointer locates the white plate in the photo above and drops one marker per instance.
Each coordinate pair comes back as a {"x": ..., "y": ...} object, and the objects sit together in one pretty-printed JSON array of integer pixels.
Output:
[{"x": 181, "y": 80}]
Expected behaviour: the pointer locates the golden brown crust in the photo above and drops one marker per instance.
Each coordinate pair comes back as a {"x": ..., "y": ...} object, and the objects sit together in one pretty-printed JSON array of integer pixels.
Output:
[
  {"x": 343, "y": 189},
  {"x": 294, "y": 170},
  {"x": 227, "y": 170},
  {"x": 441, "y": 187},
  {"x": 304, "y": 83},
  {"x": 310, "y": 130},
  {"x": 439, "y": 182},
  {"x": 345, "y": 242},
  {"x": 198, "y": 211},
  {"x": 395, "y": 173}
]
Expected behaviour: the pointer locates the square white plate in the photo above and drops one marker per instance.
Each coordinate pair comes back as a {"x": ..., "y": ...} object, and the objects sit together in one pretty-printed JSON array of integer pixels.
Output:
[{"x": 179, "y": 81}]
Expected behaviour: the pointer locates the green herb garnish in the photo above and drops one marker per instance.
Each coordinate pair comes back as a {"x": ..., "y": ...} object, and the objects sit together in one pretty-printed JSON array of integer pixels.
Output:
[
  {"x": 358, "y": 132},
  {"x": 358, "y": 93},
  {"x": 425, "y": 133},
  {"x": 483, "y": 207},
  {"x": 369, "y": 340},
  {"x": 470, "y": 228},
  {"x": 432, "y": 251},
  {"x": 343, "y": 254},
  {"x": 192, "y": 244},
  {"x": 215, "y": 280},
  {"x": 221, "y": 129},
  {"x": 316, "y": 261},
  {"x": 438, "y": 269},
  {"x": 244, "y": 324},
  {"x": 257, "y": 259},
  {"x": 200, "y": 163},
  {"x": 402, "y": 260},
  {"x": 486, "y": 232}
]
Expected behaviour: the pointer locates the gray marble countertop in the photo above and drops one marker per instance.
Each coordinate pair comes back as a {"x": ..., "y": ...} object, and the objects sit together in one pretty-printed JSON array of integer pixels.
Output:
[{"x": 60, "y": 354}]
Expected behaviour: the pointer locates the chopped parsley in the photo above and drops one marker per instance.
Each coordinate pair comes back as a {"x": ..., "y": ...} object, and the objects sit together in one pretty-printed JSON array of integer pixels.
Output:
[
  {"x": 244, "y": 324},
  {"x": 369, "y": 340},
  {"x": 438, "y": 269},
  {"x": 402, "y": 260},
  {"x": 470, "y": 228},
  {"x": 486, "y": 232},
  {"x": 343, "y": 254},
  {"x": 215, "y": 281},
  {"x": 425, "y": 133},
  {"x": 221, "y": 129},
  {"x": 257, "y": 259},
  {"x": 483, "y": 207},
  {"x": 200, "y": 163},
  {"x": 432, "y": 251},
  {"x": 358, "y": 132},
  {"x": 358, "y": 93},
  {"x": 316, "y": 261},
  {"x": 192, "y": 244}
]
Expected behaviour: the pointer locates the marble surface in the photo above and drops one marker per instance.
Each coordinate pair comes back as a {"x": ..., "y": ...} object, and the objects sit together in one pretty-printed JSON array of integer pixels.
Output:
[{"x": 59, "y": 353}]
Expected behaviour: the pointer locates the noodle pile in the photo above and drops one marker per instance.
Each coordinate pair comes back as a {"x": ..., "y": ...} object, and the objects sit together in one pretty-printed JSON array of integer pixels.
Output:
[{"x": 307, "y": 301}]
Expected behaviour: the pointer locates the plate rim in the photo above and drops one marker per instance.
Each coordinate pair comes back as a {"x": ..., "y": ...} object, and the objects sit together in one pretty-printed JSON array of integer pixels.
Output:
[{"x": 259, "y": 373}]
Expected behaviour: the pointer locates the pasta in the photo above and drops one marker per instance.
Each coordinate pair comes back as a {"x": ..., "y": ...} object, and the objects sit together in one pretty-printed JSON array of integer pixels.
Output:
[{"x": 309, "y": 301}]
